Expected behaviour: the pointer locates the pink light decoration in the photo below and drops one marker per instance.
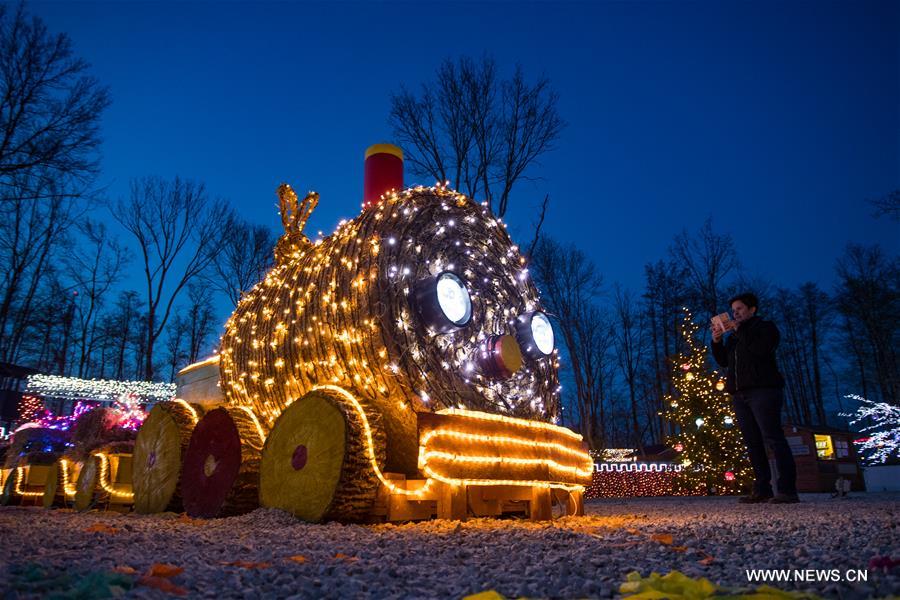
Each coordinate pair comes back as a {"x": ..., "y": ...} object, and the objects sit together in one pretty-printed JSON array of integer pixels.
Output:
[
  {"x": 129, "y": 413},
  {"x": 48, "y": 420}
]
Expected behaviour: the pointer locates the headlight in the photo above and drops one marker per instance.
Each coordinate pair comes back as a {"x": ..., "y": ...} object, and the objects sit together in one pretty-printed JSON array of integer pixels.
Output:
[
  {"x": 535, "y": 334},
  {"x": 444, "y": 302}
]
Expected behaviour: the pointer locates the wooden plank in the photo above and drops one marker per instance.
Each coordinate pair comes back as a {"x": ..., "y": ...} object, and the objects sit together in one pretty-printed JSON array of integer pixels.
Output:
[
  {"x": 506, "y": 492},
  {"x": 401, "y": 508},
  {"x": 453, "y": 502},
  {"x": 480, "y": 506},
  {"x": 36, "y": 476},
  {"x": 541, "y": 504},
  {"x": 575, "y": 504}
]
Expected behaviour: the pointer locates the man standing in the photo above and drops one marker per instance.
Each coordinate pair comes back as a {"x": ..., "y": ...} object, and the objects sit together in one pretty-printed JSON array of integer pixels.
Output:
[{"x": 755, "y": 385}]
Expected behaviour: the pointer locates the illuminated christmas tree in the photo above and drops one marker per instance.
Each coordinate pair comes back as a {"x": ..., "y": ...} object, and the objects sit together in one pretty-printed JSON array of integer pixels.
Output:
[{"x": 706, "y": 434}]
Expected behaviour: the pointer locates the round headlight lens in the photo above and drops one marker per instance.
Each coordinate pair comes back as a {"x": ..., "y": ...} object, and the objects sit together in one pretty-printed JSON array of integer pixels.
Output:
[
  {"x": 443, "y": 302},
  {"x": 542, "y": 333},
  {"x": 453, "y": 298},
  {"x": 535, "y": 335}
]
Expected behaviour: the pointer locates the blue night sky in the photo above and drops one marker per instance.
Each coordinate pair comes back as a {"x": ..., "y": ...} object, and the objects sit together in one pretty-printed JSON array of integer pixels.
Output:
[{"x": 777, "y": 119}]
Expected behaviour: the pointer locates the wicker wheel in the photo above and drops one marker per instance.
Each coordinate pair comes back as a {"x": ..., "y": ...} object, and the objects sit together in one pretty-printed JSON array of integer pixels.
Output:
[
  {"x": 86, "y": 495},
  {"x": 220, "y": 477},
  {"x": 8, "y": 495},
  {"x": 158, "y": 453},
  {"x": 315, "y": 463},
  {"x": 54, "y": 490}
]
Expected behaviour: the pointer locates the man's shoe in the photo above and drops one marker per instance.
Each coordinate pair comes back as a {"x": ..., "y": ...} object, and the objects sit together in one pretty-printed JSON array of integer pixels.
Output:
[
  {"x": 785, "y": 499},
  {"x": 754, "y": 499}
]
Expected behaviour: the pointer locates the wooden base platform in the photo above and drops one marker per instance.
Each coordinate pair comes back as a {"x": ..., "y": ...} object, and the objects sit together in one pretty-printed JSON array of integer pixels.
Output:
[{"x": 444, "y": 501}]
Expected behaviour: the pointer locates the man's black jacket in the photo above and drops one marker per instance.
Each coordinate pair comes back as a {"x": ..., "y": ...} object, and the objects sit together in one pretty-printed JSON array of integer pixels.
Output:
[{"x": 748, "y": 355}]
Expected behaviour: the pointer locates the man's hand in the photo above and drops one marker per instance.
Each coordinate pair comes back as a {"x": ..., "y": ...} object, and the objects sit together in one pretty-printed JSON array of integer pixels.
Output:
[{"x": 717, "y": 333}]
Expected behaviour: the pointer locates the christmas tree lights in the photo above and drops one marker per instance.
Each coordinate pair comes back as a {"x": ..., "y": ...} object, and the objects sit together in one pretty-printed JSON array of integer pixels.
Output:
[{"x": 703, "y": 419}]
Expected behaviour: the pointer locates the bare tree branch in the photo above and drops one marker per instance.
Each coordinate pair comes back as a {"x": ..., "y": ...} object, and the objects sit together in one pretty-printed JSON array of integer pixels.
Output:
[
  {"x": 50, "y": 108},
  {"x": 178, "y": 232},
  {"x": 473, "y": 129}
]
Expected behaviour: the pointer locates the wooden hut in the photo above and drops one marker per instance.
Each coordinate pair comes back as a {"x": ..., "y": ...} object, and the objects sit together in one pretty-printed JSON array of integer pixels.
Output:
[{"x": 823, "y": 455}]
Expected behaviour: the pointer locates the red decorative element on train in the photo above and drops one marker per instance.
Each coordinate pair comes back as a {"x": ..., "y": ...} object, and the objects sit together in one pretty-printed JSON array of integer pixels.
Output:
[{"x": 383, "y": 172}]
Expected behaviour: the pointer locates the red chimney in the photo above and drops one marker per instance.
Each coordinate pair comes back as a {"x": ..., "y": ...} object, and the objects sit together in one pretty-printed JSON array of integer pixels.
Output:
[{"x": 383, "y": 172}]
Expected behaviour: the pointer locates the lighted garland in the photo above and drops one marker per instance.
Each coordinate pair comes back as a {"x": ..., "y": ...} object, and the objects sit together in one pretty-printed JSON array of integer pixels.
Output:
[
  {"x": 340, "y": 311},
  {"x": 629, "y": 480},
  {"x": 55, "y": 386},
  {"x": 475, "y": 448},
  {"x": 707, "y": 435}
]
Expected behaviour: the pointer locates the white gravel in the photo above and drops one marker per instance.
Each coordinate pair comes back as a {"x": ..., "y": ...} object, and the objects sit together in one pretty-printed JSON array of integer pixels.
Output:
[{"x": 574, "y": 557}]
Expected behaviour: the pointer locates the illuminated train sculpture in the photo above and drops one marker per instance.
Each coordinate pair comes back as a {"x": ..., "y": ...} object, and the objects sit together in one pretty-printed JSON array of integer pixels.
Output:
[{"x": 399, "y": 368}]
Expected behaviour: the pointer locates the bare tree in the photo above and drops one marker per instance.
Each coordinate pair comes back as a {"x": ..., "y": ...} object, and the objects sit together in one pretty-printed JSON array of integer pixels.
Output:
[
  {"x": 31, "y": 233},
  {"x": 630, "y": 348},
  {"x": 794, "y": 356},
  {"x": 816, "y": 307},
  {"x": 708, "y": 259},
  {"x": 177, "y": 232},
  {"x": 868, "y": 295},
  {"x": 477, "y": 131},
  {"x": 94, "y": 266},
  {"x": 121, "y": 328},
  {"x": 888, "y": 205},
  {"x": 664, "y": 297},
  {"x": 176, "y": 355},
  {"x": 244, "y": 256},
  {"x": 201, "y": 320},
  {"x": 50, "y": 111},
  {"x": 570, "y": 287}
]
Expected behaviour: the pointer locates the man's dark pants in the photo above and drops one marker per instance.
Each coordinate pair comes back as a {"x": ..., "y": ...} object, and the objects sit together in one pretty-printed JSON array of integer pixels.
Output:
[{"x": 758, "y": 414}]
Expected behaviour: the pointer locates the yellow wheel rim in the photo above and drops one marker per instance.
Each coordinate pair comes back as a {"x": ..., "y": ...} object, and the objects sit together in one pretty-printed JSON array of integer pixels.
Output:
[{"x": 303, "y": 458}]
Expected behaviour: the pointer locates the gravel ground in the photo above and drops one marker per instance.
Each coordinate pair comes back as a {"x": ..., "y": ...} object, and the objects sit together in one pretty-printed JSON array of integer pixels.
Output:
[{"x": 573, "y": 557}]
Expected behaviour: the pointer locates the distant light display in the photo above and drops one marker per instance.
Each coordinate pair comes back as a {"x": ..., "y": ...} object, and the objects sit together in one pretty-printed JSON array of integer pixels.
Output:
[
  {"x": 882, "y": 441},
  {"x": 30, "y": 409},
  {"x": 129, "y": 412},
  {"x": 626, "y": 480},
  {"x": 64, "y": 422}
]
